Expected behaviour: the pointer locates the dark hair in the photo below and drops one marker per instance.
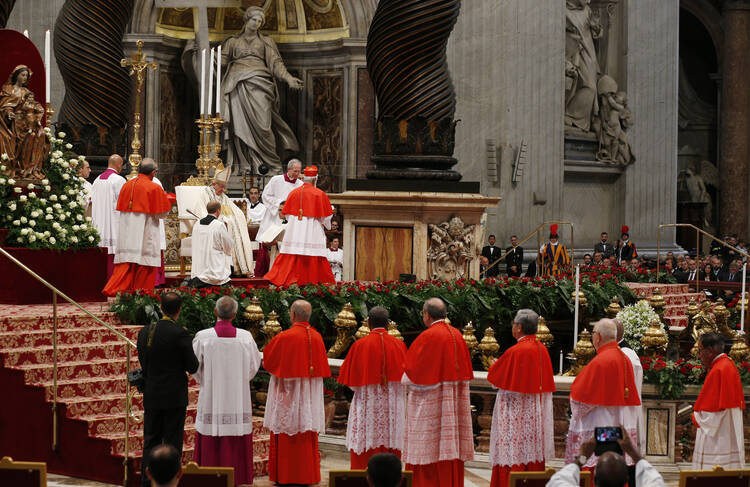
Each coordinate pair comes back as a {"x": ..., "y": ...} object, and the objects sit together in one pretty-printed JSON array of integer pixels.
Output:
[
  {"x": 712, "y": 340},
  {"x": 14, "y": 76},
  {"x": 171, "y": 304},
  {"x": 146, "y": 167},
  {"x": 605, "y": 233},
  {"x": 212, "y": 207},
  {"x": 586, "y": 255},
  {"x": 513, "y": 236},
  {"x": 491, "y": 236},
  {"x": 436, "y": 309},
  {"x": 384, "y": 470},
  {"x": 378, "y": 317},
  {"x": 164, "y": 463}
]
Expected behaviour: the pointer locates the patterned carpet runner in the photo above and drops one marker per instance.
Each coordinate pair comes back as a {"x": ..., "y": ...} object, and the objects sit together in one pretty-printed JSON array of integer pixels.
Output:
[{"x": 677, "y": 297}]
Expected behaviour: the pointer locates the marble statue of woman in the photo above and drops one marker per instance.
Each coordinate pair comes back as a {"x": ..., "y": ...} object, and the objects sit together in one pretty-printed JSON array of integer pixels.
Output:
[
  {"x": 22, "y": 135},
  {"x": 581, "y": 64},
  {"x": 255, "y": 133}
]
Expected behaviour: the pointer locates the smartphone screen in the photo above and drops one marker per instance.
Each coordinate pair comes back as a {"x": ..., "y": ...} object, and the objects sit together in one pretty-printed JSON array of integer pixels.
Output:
[{"x": 607, "y": 434}]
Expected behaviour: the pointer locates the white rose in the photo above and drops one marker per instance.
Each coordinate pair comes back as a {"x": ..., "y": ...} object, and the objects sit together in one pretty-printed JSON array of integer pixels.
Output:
[
  {"x": 52, "y": 240},
  {"x": 63, "y": 197},
  {"x": 12, "y": 207},
  {"x": 16, "y": 223},
  {"x": 2, "y": 181},
  {"x": 43, "y": 201},
  {"x": 17, "y": 189},
  {"x": 60, "y": 160},
  {"x": 4, "y": 156},
  {"x": 55, "y": 225},
  {"x": 48, "y": 188},
  {"x": 73, "y": 161},
  {"x": 71, "y": 192},
  {"x": 66, "y": 166},
  {"x": 24, "y": 231},
  {"x": 34, "y": 214},
  {"x": 66, "y": 176},
  {"x": 79, "y": 217},
  {"x": 46, "y": 233},
  {"x": 57, "y": 206},
  {"x": 53, "y": 197},
  {"x": 11, "y": 181},
  {"x": 2, "y": 167},
  {"x": 67, "y": 213},
  {"x": 30, "y": 186},
  {"x": 57, "y": 154},
  {"x": 61, "y": 216},
  {"x": 68, "y": 146},
  {"x": 24, "y": 220},
  {"x": 91, "y": 239},
  {"x": 61, "y": 134},
  {"x": 22, "y": 197},
  {"x": 84, "y": 226},
  {"x": 32, "y": 238},
  {"x": 74, "y": 239},
  {"x": 73, "y": 204},
  {"x": 85, "y": 190},
  {"x": 32, "y": 195},
  {"x": 76, "y": 228},
  {"x": 88, "y": 219},
  {"x": 48, "y": 209},
  {"x": 45, "y": 181},
  {"x": 81, "y": 158},
  {"x": 32, "y": 223},
  {"x": 48, "y": 217}
]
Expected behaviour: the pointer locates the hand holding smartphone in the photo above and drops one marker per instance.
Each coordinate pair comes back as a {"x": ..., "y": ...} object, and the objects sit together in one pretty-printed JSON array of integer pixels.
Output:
[{"x": 606, "y": 439}]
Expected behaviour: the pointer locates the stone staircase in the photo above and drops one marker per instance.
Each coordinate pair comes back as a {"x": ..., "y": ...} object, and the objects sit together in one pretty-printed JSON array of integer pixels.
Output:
[
  {"x": 677, "y": 297},
  {"x": 91, "y": 395}
]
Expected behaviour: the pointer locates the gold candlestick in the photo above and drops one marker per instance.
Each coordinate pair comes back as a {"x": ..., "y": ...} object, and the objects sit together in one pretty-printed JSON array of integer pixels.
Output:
[
  {"x": 138, "y": 65},
  {"x": 216, "y": 161},
  {"x": 203, "y": 162},
  {"x": 48, "y": 111}
]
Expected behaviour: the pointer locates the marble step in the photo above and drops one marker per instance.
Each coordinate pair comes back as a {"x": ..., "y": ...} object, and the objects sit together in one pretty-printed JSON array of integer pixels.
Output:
[
  {"x": 76, "y": 369},
  {"x": 109, "y": 404},
  {"x": 46, "y": 321},
  {"x": 65, "y": 336}
]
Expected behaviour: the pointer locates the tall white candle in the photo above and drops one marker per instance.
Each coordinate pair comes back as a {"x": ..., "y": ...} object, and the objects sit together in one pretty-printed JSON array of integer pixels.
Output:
[
  {"x": 561, "y": 362},
  {"x": 742, "y": 298},
  {"x": 26, "y": 33},
  {"x": 575, "y": 313},
  {"x": 203, "y": 81},
  {"x": 46, "y": 67},
  {"x": 218, "y": 79},
  {"x": 210, "y": 91}
]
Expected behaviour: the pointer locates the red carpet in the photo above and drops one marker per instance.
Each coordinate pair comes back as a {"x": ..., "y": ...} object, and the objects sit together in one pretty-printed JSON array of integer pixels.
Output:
[{"x": 91, "y": 396}]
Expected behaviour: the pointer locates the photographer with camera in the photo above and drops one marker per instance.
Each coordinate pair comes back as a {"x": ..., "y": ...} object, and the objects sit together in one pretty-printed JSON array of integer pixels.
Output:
[
  {"x": 611, "y": 469},
  {"x": 165, "y": 351}
]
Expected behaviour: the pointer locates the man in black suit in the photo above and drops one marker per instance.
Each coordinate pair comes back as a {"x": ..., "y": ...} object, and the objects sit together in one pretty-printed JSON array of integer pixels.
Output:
[
  {"x": 165, "y": 351},
  {"x": 605, "y": 248},
  {"x": 514, "y": 258},
  {"x": 492, "y": 253},
  {"x": 693, "y": 272}
]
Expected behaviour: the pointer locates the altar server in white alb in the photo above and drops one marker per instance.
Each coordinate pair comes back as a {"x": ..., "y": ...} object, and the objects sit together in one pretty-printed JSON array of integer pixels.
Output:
[
  {"x": 212, "y": 250},
  {"x": 256, "y": 210},
  {"x": 335, "y": 256},
  {"x": 236, "y": 220},
  {"x": 228, "y": 360},
  {"x": 719, "y": 439},
  {"x": 104, "y": 214},
  {"x": 276, "y": 191}
]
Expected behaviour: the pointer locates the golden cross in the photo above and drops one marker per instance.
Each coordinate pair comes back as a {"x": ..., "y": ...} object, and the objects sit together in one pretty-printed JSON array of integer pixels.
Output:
[{"x": 138, "y": 65}]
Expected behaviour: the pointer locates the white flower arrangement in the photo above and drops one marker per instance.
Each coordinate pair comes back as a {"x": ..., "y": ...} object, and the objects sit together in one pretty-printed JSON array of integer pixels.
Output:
[
  {"x": 53, "y": 197},
  {"x": 635, "y": 319}
]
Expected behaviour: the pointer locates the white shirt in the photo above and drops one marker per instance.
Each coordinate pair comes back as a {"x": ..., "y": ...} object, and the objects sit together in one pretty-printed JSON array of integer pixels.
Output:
[
  {"x": 212, "y": 252},
  {"x": 274, "y": 193},
  {"x": 255, "y": 215},
  {"x": 570, "y": 475},
  {"x": 104, "y": 194},
  {"x": 336, "y": 259}
]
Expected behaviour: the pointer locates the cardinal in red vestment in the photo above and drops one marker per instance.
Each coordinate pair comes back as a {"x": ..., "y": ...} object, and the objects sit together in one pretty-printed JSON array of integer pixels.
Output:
[
  {"x": 522, "y": 435},
  {"x": 297, "y": 361},
  {"x": 142, "y": 204},
  {"x": 717, "y": 414},
  {"x": 603, "y": 394},
  {"x": 373, "y": 369},
  {"x": 438, "y": 415},
  {"x": 303, "y": 254}
]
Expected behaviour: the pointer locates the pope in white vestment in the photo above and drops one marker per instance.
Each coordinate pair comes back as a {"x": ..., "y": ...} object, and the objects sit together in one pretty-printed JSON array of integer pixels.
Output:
[
  {"x": 236, "y": 220},
  {"x": 212, "y": 249},
  {"x": 104, "y": 215}
]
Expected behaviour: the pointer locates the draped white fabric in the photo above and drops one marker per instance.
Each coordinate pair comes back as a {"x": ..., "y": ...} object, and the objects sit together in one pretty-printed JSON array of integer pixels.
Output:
[
  {"x": 719, "y": 440},
  {"x": 376, "y": 417},
  {"x": 585, "y": 417},
  {"x": 227, "y": 365},
  {"x": 104, "y": 194},
  {"x": 295, "y": 405},
  {"x": 138, "y": 239},
  {"x": 522, "y": 428},
  {"x": 212, "y": 253}
]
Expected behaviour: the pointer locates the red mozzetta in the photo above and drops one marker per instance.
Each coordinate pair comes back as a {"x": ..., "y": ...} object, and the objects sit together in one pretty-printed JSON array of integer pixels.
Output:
[
  {"x": 297, "y": 352},
  {"x": 314, "y": 202},
  {"x": 142, "y": 195},
  {"x": 722, "y": 388},
  {"x": 372, "y": 359},
  {"x": 439, "y": 354},
  {"x": 525, "y": 367},
  {"x": 607, "y": 380}
]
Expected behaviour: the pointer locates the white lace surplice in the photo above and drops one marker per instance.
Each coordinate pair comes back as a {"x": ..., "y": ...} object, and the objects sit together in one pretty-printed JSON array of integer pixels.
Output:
[
  {"x": 522, "y": 428},
  {"x": 227, "y": 365},
  {"x": 138, "y": 239},
  {"x": 295, "y": 406},
  {"x": 585, "y": 417},
  {"x": 377, "y": 417},
  {"x": 104, "y": 194},
  {"x": 438, "y": 424},
  {"x": 719, "y": 440},
  {"x": 306, "y": 236}
]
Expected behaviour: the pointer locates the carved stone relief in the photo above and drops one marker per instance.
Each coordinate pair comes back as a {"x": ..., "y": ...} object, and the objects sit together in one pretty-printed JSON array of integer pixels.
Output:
[
  {"x": 450, "y": 251},
  {"x": 327, "y": 103}
]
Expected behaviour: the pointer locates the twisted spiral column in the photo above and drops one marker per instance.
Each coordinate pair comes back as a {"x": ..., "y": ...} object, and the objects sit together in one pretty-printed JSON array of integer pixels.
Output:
[
  {"x": 406, "y": 59},
  {"x": 88, "y": 48}
]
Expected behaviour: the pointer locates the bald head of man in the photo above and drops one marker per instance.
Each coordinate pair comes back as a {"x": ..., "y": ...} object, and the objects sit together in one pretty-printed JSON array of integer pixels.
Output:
[
  {"x": 605, "y": 331},
  {"x": 115, "y": 162},
  {"x": 433, "y": 310},
  {"x": 611, "y": 470},
  {"x": 300, "y": 311}
]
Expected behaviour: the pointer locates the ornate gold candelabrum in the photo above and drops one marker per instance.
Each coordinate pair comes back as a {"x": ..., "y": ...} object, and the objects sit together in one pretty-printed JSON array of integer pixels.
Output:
[
  {"x": 470, "y": 338},
  {"x": 271, "y": 327},
  {"x": 48, "y": 112},
  {"x": 657, "y": 302},
  {"x": 583, "y": 352},
  {"x": 254, "y": 314},
  {"x": 488, "y": 348},
  {"x": 363, "y": 330},
  {"x": 543, "y": 334},
  {"x": 393, "y": 330},
  {"x": 345, "y": 323},
  {"x": 217, "y": 123},
  {"x": 739, "y": 351},
  {"x": 654, "y": 339},
  {"x": 613, "y": 308},
  {"x": 138, "y": 65}
]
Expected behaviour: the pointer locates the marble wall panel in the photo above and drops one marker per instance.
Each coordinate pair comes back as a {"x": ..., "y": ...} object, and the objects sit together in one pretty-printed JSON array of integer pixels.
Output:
[
  {"x": 327, "y": 112},
  {"x": 365, "y": 121}
]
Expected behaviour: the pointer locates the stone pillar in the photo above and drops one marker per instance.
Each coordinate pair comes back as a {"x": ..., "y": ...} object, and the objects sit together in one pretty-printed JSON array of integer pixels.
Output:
[{"x": 735, "y": 119}]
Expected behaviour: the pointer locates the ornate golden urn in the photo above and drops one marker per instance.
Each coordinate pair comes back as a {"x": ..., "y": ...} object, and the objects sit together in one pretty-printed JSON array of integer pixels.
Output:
[
  {"x": 488, "y": 348},
  {"x": 721, "y": 313},
  {"x": 363, "y": 330},
  {"x": 271, "y": 327},
  {"x": 393, "y": 330},
  {"x": 654, "y": 339},
  {"x": 345, "y": 324},
  {"x": 583, "y": 352},
  {"x": 470, "y": 339},
  {"x": 613, "y": 308},
  {"x": 254, "y": 314},
  {"x": 657, "y": 302},
  {"x": 739, "y": 351},
  {"x": 543, "y": 334}
]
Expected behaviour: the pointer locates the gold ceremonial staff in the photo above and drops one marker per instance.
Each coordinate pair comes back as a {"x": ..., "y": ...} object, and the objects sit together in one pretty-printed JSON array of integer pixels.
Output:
[{"x": 138, "y": 65}]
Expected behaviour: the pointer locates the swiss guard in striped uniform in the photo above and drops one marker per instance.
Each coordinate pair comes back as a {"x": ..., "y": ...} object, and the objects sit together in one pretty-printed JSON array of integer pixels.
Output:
[{"x": 555, "y": 259}]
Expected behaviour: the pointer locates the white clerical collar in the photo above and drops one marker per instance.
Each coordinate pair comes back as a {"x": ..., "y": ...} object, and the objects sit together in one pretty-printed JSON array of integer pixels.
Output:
[
  {"x": 436, "y": 321},
  {"x": 717, "y": 357}
]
